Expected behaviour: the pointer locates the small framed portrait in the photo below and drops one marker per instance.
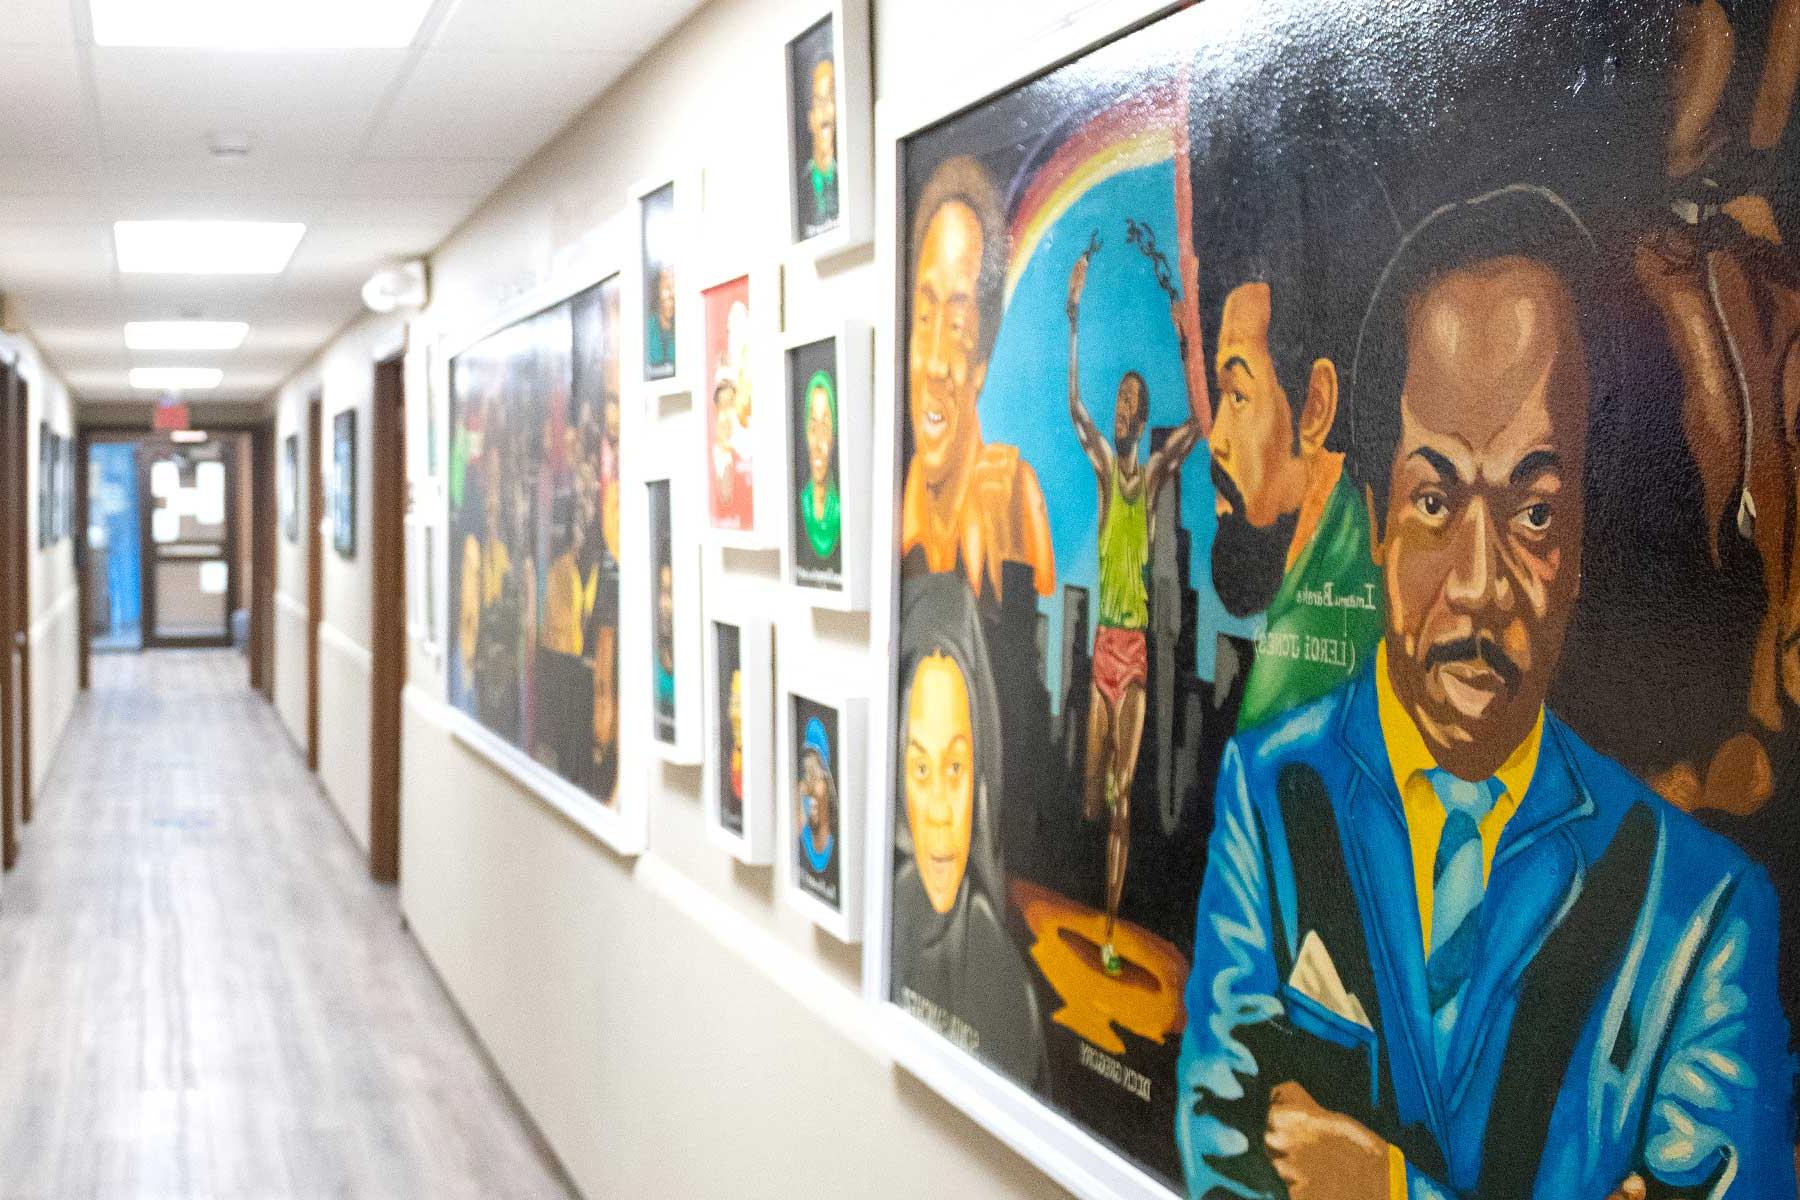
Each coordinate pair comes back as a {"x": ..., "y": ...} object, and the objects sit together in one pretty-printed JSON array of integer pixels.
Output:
[
  {"x": 826, "y": 68},
  {"x": 733, "y": 439},
  {"x": 823, "y": 780},
  {"x": 826, "y": 434},
  {"x": 740, "y": 735},
  {"x": 663, "y": 321},
  {"x": 671, "y": 585},
  {"x": 290, "y": 487},
  {"x": 343, "y": 483}
]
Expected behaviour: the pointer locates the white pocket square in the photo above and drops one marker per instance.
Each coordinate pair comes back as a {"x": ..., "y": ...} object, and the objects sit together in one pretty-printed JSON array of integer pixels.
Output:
[{"x": 1316, "y": 977}]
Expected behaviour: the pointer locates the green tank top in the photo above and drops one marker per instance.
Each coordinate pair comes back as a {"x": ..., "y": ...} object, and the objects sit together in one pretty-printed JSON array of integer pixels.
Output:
[{"x": 1124, "y": 549}]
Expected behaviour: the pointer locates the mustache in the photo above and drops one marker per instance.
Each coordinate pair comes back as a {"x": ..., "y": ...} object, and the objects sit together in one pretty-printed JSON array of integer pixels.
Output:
[
  {"x": 1224, "y": 486},
  {"x": 1477, "y": 647}
]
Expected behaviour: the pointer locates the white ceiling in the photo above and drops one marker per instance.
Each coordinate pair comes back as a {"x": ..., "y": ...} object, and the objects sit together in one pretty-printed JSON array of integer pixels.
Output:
[{"x": 381, "y": 152}]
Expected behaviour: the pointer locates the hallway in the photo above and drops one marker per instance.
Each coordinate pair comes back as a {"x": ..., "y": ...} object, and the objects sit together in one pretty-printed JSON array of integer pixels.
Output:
[{"x": 202, "y": 994}]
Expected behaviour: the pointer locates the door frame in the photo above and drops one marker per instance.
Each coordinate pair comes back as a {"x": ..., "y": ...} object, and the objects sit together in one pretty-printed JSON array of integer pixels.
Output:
[
  {"x": 388, "y": 644},
  {"x": 15, "y": 599},
  {"x": 262, "y": 516},
  {"x": 315, "y": 565},
  {"x": 148, "y": 559},
  {"x": 23, "y": 547}
]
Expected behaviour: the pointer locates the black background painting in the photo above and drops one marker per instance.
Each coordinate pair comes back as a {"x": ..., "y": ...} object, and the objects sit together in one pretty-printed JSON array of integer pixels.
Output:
[
  {"x": 825, "y": 528},
  {"x": 656, "y": 219},
  {"x": 727, "y": 655},
  {"x": 1671, "y": 667},
  {"x": 804, "y": 53},
  {"x": 818, "y": 766},
  {"x": 663, "y": 666}
]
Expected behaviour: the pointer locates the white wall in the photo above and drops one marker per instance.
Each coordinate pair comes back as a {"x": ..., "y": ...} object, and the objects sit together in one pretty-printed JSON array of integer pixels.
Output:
[
  {"x": 672, "y": 1029},
  {"x": 344, "y": 378},
  {"x": 55, "y": 605}
]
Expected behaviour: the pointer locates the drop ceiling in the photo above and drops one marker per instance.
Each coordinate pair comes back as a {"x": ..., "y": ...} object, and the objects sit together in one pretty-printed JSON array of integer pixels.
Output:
[{"x": 380, "y": 152}]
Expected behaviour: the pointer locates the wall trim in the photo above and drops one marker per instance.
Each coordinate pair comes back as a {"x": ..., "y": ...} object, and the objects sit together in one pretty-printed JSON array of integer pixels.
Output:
[
  {"x": 292, "y": 607},
  {"x": 59, "y": 608},
  {"x": 330, "y": 635}
]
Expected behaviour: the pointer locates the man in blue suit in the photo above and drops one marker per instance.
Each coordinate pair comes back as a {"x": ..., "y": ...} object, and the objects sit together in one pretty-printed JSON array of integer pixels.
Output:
[{"x": 1445, "y": 949}]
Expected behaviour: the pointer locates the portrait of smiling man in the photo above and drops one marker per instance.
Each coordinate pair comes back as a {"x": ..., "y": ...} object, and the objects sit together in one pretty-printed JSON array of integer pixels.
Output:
[{"x": 1444, "y": 948}]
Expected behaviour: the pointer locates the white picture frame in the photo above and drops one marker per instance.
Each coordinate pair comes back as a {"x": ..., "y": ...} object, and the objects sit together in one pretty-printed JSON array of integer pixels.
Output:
[
  {"x": 854, "y": 98},
  {"x": 753, "y": 838},
  {"x": 1078, "y": 1161},
  {"x": 623, "y": 826},
  {"x": 764, "y": 366},
  {"x": 810, "y": 680},
  {"x": 674, "y": 242},
  {"x": 806, "y": 570},
  {"x": 674, "y": 735}
]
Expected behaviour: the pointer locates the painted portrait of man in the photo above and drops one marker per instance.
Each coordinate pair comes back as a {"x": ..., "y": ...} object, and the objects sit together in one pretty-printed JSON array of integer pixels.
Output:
[
  {"x": 812, "y": 70},
  {"x": 1437, "y": 928}
]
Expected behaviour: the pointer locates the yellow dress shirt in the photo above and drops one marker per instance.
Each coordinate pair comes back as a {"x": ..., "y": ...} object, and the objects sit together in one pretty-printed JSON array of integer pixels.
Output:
[{"x": 1410, "y": 759}]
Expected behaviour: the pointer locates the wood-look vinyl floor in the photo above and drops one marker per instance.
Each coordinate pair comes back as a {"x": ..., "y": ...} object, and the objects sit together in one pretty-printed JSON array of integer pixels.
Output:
[{"x": 203, "y": 995}]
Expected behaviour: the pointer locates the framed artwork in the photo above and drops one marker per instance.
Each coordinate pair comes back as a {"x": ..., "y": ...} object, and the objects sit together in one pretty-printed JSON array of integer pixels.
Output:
[
  {"x": 47, "y": 486},
  {"x": 823, "y": 736},
  {"x": 739, "y": 774},
  {"x": 343, "y": 483},
  {"x": 830, "y": 175},
  {"x": 534, "y": 487},
  {"x": 732, "y": 436},
  {"x": 65, "y": 491},
  {"x": 826, "y": 436},
  {"x": 289, "y": 485},
  {"x": 662, "y": 314},
  {"x": 671, "y": 595},
  {"x": 1189, "y": 736}
]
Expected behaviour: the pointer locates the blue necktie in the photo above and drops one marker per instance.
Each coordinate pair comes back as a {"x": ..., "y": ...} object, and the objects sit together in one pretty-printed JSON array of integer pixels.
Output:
[{"x": 1457, "y": 889}]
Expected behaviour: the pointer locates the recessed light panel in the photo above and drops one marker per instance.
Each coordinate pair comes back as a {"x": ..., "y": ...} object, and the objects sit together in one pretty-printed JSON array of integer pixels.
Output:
[
  {"x": 258, "y": 24},
  {"x": 185, "y": 335},
  {"x": 205, "y": 247},
  {"x": 176, "y": 379}
]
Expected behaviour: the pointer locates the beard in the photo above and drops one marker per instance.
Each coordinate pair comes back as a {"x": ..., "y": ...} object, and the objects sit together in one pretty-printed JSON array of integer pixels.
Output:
[{"x": 1248, "y": 563}]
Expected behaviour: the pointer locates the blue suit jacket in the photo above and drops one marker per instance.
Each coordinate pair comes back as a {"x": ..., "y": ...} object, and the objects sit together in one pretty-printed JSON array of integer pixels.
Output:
[{"x": 1683, "y": 1068}]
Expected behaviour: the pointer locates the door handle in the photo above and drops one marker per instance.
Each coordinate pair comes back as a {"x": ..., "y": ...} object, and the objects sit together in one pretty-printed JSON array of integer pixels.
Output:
[{"x": 19, "y": 639}]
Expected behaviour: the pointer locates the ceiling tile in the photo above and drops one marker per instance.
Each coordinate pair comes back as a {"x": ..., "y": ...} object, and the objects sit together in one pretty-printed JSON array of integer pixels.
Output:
[
  {"x": 37, "y": 23},
  {"x": 313, "y": 103},
  {"x": 42, "y": 111},
  {"x": 71, "y": 254},
  {"x": 491, "y": 105},
  {"x": 619, "y": 27},
  {"x": 432, "y": 178}
]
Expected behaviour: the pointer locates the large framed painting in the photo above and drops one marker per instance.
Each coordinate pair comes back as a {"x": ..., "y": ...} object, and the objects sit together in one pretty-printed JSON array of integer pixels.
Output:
[
  {"x": 825, "y": 66},
  {"x": 826, "y": 439},
  {"x": 533, "y": 491},
  {"x": 1342, "y": 593},
  {"x": 288, "y": 484},
  {"x": 343, "y": 483}
]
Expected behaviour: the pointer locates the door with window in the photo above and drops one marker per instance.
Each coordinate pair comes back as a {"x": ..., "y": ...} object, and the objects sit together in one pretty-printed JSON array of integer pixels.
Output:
[{"x": 190, "y": 585}]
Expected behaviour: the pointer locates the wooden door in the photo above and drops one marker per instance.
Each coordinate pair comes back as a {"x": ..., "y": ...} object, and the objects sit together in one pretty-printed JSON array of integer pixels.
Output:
[{"x": 388, "y": 615}]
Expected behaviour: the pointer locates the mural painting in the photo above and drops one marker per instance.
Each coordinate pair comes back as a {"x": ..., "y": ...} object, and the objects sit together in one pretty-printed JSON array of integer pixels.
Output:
[
  {"x": 534, "y": 521},
  {"x": 1347, "y": 680}
]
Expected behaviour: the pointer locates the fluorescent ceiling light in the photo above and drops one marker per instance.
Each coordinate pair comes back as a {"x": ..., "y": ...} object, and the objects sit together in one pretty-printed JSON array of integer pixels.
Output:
[
  {"x": 176, "y": 379},
  {"x": 205, "y": 247},
  {"x": 258, "y": 24},
  {"x": 185, "y": 335}
]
